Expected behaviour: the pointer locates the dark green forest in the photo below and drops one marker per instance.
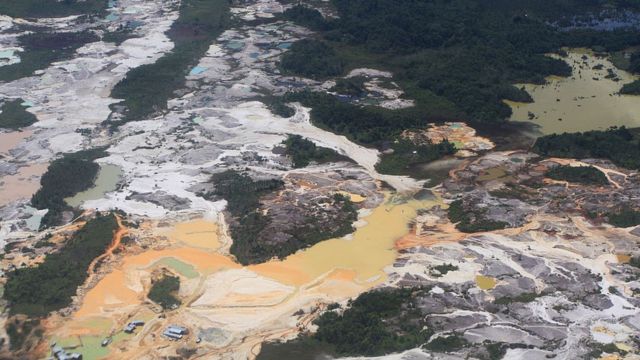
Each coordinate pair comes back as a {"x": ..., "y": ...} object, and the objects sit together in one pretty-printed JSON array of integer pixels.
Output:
[
  {"x": 312, "y": 59},
  {"x": 163, "y": 291},
  {"x": 586, "y": 175},
  {"x": 49, "y": 286},
  {"x": 405, "y": 154},
  {"x": 14, "y": 116},
  {"x": 465, "y": 53},
  {"x": 302, "y": 152},
  {"x": 632, "y": 88},
  {"x": 376, "y": 323},
  {"x": 49, "y": 8},
  {"x": 624, "y": 218},
  {"x": 620, "y": 145},
  {"x": 65, "y": 177}
]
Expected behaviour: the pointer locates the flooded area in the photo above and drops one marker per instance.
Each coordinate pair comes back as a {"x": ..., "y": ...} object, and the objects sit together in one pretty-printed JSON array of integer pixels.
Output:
[
  {"x": 214, "y": 285},
  {"x": 106, "y": 181},
  {"x": 588, "y": 100}
]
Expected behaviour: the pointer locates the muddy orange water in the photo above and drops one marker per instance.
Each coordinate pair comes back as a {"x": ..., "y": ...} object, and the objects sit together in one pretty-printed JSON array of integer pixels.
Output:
[
  {"x": 22, "y": 185},
  {"x": 333, "y": 269}
]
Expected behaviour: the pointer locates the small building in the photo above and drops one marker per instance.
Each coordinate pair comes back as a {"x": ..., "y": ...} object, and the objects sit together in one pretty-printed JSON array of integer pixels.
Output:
[
  {"x": 171, "y": 335},
  {"x": 137, "y": 323},
  {"x": 129, "y": 328},
  {"x": 178, "y": 329}
]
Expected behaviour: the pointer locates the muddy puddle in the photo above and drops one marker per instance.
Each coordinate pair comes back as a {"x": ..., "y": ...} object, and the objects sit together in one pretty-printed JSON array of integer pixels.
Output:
[
  {"x": 485, "y": 282},
  {"x": 588, "y": 100}
]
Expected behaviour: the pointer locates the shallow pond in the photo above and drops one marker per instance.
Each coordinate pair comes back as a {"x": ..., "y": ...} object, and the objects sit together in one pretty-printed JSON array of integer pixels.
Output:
[
  {"x": 586, "y": 101},
  {"x": 106, "y": 181}
]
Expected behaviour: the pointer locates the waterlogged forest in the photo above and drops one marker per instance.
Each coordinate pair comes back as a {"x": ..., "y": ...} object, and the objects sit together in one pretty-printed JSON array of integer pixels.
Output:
[{"x": 455, "y": 57}]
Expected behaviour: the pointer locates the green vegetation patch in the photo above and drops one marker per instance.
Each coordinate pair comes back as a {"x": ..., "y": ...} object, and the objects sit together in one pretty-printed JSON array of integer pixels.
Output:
[
  {"x": 146, "y": 89},
  {"x": 20, "y": 331},
  {"x": 632, "y": 88},
  {"x": 443, "y": 269},
  {"x": 241, "y": 191},
  {"x": 14, "y": 116},
  {"x": 302, "y": 152},
  {"x": 49, "y": 286},
  {"x": 353, "y": 86},
  {"x": 470, "y": 221},
  {"x": 313, "y": 59},
  {"x": 619, "y": 145},
  {"x": 369, "y": 126},
  {"x": 65, "y": 177},
  {"x": 163, "y": 291},
  {"x": 377, "y": 323},
  {"x": 42, "y": 49},
  {"x": 448, "y": 343},
  {"x": 598, "y": 349},
  {"x": 587, "y": 175},
  {"x": 406, "y": 154},
  {"x": 49, "y": 8},
  {"x": 306, "y": 16},
  {"x": 624, "y": 218},
  {"x": 513, "y": 191}
]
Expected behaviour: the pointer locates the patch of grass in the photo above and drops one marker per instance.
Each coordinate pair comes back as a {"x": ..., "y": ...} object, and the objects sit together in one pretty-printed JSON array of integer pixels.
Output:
[
  {"x": 146, "y": 89},
  {"x": 163, "y": 292},
  {"x": 48, "y": 286},
  {"x": 14, "y": 116},
  {"x": 65, "y": 177},
  {"x": 586, "y": 175}
]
